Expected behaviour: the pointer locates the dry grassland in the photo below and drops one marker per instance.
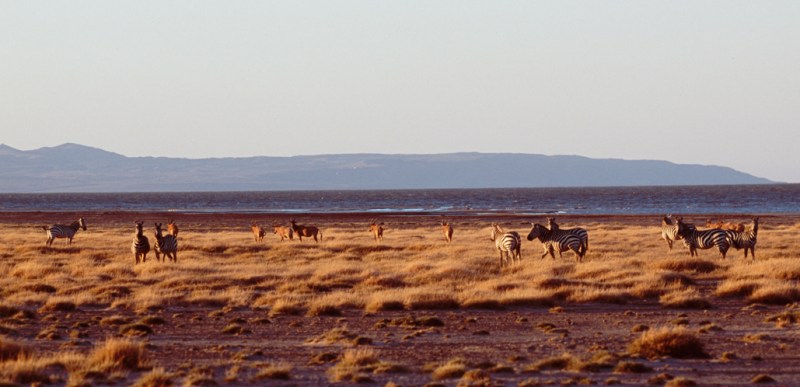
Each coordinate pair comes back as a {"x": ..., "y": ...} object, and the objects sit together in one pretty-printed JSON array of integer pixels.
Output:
[{"x": 410, "y": 310}]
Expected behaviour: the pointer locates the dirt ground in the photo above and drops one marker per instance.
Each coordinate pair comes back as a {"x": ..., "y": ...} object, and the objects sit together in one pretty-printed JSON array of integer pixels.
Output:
[{"x": 496, "y": 346}]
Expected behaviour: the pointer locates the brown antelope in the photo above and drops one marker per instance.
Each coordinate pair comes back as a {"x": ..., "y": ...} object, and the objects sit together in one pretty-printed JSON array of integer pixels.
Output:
[
  {"x": 306, "y": 231},
  {"x": 172, "y": 228},
  {"x": 447, "y": 229},
  {"x": 283, "y": 232},
  {"x": 258, "y": 232},
  {"x": 726, "y": 226},
  {"x": 377, "y": 231}
]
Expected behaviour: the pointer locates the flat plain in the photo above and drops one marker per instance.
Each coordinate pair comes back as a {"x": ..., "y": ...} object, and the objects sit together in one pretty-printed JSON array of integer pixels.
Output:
[{"x": 409, "y": 310}]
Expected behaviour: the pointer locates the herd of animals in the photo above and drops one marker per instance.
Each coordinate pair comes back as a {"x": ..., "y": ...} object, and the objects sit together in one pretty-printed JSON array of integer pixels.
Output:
[{"x": 722, "y": 235}]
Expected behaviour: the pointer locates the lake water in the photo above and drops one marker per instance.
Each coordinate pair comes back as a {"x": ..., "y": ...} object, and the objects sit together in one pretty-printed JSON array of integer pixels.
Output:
[{"x": 743, "y": 199}]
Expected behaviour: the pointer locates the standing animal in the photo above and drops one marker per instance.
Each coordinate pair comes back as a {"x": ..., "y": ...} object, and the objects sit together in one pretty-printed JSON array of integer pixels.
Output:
[
  {"x": 508, "y": 244},
  {"x": 377, "y": 231},
  {"x": 560, "y": 240},
  {"x": 727, "y": 226},
  {"x": 64, "y": 231},
  {"x": 172, "y": 228},
  {"x": 306, "y": 231},
  {"x": 745, "y": 239},
  {"x": 703, "y": 239},
  {"x": 551, "y": 224},
  {"x": 141, "y": 245},
  {"x": 166, "y": 245},
  {"x": 582, "y": 234},
  {"x": 447, "y": 230},
  {"x": 669, "y": 230},
  {"x": 283, "y": 231},
  {"x": 258, "y": 232}
]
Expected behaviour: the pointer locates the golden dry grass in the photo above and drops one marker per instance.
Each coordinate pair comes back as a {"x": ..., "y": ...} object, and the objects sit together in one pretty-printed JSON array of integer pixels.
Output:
[{"x": 411, "y": 271}]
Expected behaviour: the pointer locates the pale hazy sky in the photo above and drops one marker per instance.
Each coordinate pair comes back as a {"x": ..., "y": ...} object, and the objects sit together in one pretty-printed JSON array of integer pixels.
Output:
[{"x": 708, "y": 82}]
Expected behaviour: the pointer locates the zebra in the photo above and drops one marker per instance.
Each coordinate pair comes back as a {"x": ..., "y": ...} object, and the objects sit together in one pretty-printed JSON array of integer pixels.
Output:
[
  {"x": 702, "y": 239},
  {"x": 581, "y": 233},
  {"x": 166, "y": 245},
  {"x": 141, "y": 245},
  {"x": 64, "y": 231},
  {"x": 576, "y": 239},
  {"x": 744, "y": 239},
  {"x": 507, "y": 243},
  {"x": 669, "y": 231}
]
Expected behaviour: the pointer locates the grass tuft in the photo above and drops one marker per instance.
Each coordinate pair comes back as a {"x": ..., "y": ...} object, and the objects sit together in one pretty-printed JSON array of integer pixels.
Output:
[{"x": 668, "y": 342}]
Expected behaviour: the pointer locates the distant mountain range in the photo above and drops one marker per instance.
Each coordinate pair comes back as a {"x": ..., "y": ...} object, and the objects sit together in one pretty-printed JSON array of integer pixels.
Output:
[{"x": 78, "y": 168}]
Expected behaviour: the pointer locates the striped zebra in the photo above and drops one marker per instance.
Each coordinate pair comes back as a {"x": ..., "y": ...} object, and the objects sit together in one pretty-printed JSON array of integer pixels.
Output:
[
  {"x": 576, "y": 239},
  {"x": 64, "y": 231},
  {"x": 669, "y": 230},
  {"x": 508, "y": 244},
  {"x": 703, "y": 239},
  {"x": 166, "y": 245},
  {"x": 141, "y": 245},
  {"x": 744, "y": 239},
  {"x": 581, "y": 233}
]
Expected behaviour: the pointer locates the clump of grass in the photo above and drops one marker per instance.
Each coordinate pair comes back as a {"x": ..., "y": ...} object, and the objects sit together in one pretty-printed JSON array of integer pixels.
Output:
[
  {"x": 356, "y": 365},
  {"x": 136, "y": 329},
  {"x": 57, "y": 305},
  {"x": 430, "y": 301},
  {"x": 763, "y": 379},
  {"x": 277, "y": 371},
  {"x": 117, "y": 355},
  {"x": 7, "y": 310},
  {"x": 10, "y": 349},
  {"x": 776, "y": 294},
  {"x": 114, "y": 320},
  {"x": 339, "y": 335},
  {"x": 632, "y": 367},
  {"x": 155, "y": 378},
  {"x": 684, "y": 299},
  {"x": 235, "y": 329},
  {"x": 680, "y": 382},
  {"x": 670, "y": 342},
  {"x": 692, "y": 265},
  {"x": 452, "y": 369}
]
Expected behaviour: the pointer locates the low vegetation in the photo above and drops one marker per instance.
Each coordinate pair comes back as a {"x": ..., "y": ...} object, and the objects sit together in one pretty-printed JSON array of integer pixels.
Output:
[{"x": 86, "y": 314}]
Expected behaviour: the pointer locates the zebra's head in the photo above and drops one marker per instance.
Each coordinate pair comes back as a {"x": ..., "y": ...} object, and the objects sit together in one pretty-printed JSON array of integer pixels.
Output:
[
  {"x": 537, "y": 230},
  {"x": 496, "y": 230},
  {"x": 82, "y": 223},
  {"x": 139, "y": 227},
  {"x": 158, "y": 232}
]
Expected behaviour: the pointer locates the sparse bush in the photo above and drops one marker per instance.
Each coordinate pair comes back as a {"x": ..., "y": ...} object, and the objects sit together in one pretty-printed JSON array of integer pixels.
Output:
[{"x": 671, "y": 342}]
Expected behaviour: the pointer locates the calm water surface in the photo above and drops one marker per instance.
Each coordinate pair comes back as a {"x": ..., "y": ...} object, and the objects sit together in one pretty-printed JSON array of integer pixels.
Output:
[{"x": 784, "y": 198}]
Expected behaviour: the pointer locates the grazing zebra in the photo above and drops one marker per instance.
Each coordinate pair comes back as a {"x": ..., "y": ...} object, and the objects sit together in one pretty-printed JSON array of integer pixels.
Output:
[
  {"x": 669, "y": 231},
  {"x": 447, "y": 230},
  {"x": 166, "y": 245},
  {"x": 508, "y": 244},
  {"x": 283, "y": 231},
  {"x": 172, "y": 228},
  {"x": 576, "y": 239},
  {"x": 306, "y": 231},
  {"x": 745, "y": 239},
  {"x": 258, "y": 232},
  {"x": 703, "y": 239},
  {"x": 377, "y": 231},
  {"x": 141, "y": 245},
  {"x": 64, "y": 231}
]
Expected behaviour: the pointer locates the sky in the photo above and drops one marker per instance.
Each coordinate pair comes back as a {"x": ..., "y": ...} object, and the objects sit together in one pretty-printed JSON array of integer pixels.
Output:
[{"x": 692, "y": 82}]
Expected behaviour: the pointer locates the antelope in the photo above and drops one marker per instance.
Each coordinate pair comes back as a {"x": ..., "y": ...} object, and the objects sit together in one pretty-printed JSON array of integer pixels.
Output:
[
  {"x": 258, "y": 232},
  {"x": 447, "y": 229},
  {"x": 306, "y": 231},
  {"x": 172, "y": 228},
  {"x": 283, "y": 232},
  {"x": 726, "y": 226},
  {"x": 377, "y": 230}
]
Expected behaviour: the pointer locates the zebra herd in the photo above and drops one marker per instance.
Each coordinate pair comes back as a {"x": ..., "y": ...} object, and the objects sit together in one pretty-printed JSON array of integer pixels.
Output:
[
  {"x": 740, "y": 237},
  {"x": 165, "y": 245},
  {"x": 508, "y": 244},
  {"x": 553, "y": 240}
]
